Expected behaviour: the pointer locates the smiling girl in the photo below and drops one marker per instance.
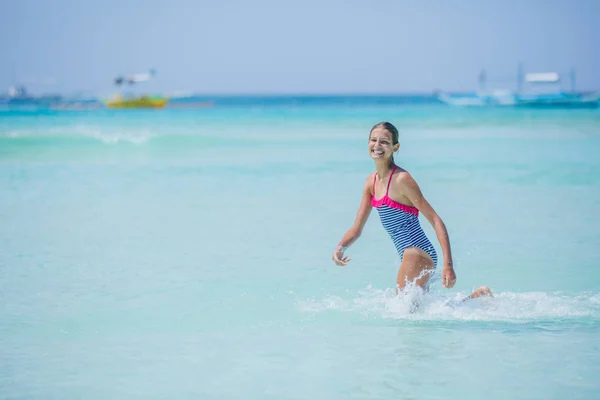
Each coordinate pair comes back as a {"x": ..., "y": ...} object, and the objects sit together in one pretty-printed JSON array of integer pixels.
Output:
[{"x": 398, "y": 200}]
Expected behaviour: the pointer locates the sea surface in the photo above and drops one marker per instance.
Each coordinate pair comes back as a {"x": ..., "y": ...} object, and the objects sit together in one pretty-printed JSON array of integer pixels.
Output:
[{"x": 186, "y": 254}]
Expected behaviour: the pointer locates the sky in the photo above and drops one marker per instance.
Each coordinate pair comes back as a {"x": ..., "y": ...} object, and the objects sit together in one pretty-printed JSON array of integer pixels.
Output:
[{"x": 294, "y": 47}]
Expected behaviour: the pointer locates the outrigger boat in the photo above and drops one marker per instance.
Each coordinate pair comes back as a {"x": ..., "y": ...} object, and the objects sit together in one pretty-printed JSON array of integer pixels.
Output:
[
  {"x": 544, "y": 91},
  {"x": 137, "y": 102},
  {"x": 144, "y": 101}
]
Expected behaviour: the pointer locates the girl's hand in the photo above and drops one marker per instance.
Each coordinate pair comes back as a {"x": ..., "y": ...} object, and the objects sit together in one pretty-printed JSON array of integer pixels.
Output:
[
  {"x": 448, "y": 276},
  {"x": 339, "y": 258}
]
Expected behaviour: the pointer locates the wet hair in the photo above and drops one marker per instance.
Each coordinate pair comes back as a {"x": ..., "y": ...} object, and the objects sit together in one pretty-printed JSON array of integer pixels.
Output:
[{"x": 388, "y": 127}]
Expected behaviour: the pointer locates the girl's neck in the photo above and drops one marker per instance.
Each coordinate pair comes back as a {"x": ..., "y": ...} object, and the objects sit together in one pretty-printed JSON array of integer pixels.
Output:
[{"x": 384, "y": 168}]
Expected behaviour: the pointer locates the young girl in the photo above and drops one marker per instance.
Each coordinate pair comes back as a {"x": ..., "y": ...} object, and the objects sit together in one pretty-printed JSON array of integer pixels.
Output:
[{"x": 398, "y": 199}]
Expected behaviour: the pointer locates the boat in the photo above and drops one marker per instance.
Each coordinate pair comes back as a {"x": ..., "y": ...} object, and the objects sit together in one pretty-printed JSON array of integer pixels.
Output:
[
  {"x": 19, "y": 96},
  {"x": 534, "y": 90},
  {"x": 144, "y": 101},
  {"x": 137, "y": 102}
]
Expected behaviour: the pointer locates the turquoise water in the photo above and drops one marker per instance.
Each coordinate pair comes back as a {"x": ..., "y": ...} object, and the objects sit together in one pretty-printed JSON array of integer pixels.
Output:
[{"x": 187, "y": 254}]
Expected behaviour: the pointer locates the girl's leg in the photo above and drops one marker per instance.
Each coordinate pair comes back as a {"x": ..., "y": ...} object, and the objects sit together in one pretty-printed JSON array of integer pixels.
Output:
[
  {"x": 416, "y": 263},
  {"x": 482, "y": 291},
  {"x": 417, "y": 266}
]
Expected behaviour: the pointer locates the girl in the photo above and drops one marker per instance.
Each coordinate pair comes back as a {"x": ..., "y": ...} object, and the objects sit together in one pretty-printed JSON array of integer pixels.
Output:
[{"x": 398, "y": 199}]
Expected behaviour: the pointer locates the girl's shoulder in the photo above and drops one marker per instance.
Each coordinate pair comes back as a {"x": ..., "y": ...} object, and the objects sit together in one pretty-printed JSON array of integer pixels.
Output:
[
  {"x": 369, "y": 182},
  {"x": 402, "y": 177}
]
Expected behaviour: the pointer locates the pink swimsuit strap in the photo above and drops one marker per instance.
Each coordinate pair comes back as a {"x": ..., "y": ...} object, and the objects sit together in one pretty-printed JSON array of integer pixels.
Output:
[{"x": 385, "y": 200}]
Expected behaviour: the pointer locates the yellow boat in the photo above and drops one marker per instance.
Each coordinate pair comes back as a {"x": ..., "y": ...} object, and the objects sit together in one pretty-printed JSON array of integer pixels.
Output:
[{"x": 137, "y": 102}]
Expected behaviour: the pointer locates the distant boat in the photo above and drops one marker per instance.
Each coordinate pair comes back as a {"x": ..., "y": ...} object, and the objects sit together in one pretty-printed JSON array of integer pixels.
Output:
[
  {"x": 538, "y": 96},
  {"x": 137, "y": 102},
  {"x": 145, "y": 101},
  {"x": 18, "y": 96}
]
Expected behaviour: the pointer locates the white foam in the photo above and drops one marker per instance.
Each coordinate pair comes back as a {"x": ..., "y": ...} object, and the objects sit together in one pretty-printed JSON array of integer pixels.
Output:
[
  {"x": 112, "y": 136},
  {"x": 414, "y": 304},
  {"x": 106, "y": 135}
]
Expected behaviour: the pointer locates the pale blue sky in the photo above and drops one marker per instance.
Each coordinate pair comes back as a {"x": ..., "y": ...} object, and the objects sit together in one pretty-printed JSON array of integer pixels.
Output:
[{"x": 309, "y": 46}]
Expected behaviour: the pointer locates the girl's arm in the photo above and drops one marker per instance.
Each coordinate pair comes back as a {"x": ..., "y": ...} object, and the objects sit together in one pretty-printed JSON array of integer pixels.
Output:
[
  {"x": 359, "y": 222},
  {"x": 411, "y": 190}
]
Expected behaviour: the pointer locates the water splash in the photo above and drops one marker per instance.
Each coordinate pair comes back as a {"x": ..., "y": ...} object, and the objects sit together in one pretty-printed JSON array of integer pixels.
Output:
[{"x": 414, "y": 304}]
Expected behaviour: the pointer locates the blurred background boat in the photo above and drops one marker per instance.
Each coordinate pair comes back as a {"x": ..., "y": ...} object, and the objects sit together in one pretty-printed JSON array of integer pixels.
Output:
[
  {"x": 132, "y": 101},
  {"x": 119, "y": 101},
  {"x": 19, "y": 96},
  {"x": 534, "y": 90}
]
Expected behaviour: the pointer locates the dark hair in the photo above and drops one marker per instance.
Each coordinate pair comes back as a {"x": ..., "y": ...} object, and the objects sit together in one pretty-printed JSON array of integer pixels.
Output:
[{"x": 388, "y": 127}]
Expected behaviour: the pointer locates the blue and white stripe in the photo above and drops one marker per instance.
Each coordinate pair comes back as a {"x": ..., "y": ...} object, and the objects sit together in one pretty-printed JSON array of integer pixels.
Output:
[{"x": 405, "y": 230}]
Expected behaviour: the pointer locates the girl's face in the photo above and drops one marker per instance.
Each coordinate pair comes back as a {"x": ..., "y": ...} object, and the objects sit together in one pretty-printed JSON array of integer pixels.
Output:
[{"x": 381, "y": 146}]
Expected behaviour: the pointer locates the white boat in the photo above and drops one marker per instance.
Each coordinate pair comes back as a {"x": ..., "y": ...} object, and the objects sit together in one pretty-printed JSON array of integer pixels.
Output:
[{"x": 535, "y": 90}]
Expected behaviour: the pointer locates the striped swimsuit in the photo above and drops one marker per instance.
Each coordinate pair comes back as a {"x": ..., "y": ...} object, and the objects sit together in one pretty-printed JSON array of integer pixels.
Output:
[{"x": 402, "y": 223}]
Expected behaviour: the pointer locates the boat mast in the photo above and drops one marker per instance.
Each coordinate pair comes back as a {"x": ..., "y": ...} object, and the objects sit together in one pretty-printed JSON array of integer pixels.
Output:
[
  {"x": 482, "y": 79},
  {"x": 520, "y": 78}
]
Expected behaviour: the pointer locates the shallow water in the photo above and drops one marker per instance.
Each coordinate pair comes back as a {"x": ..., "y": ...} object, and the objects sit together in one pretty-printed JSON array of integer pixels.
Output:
[{"x": 187, "y": 253}]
